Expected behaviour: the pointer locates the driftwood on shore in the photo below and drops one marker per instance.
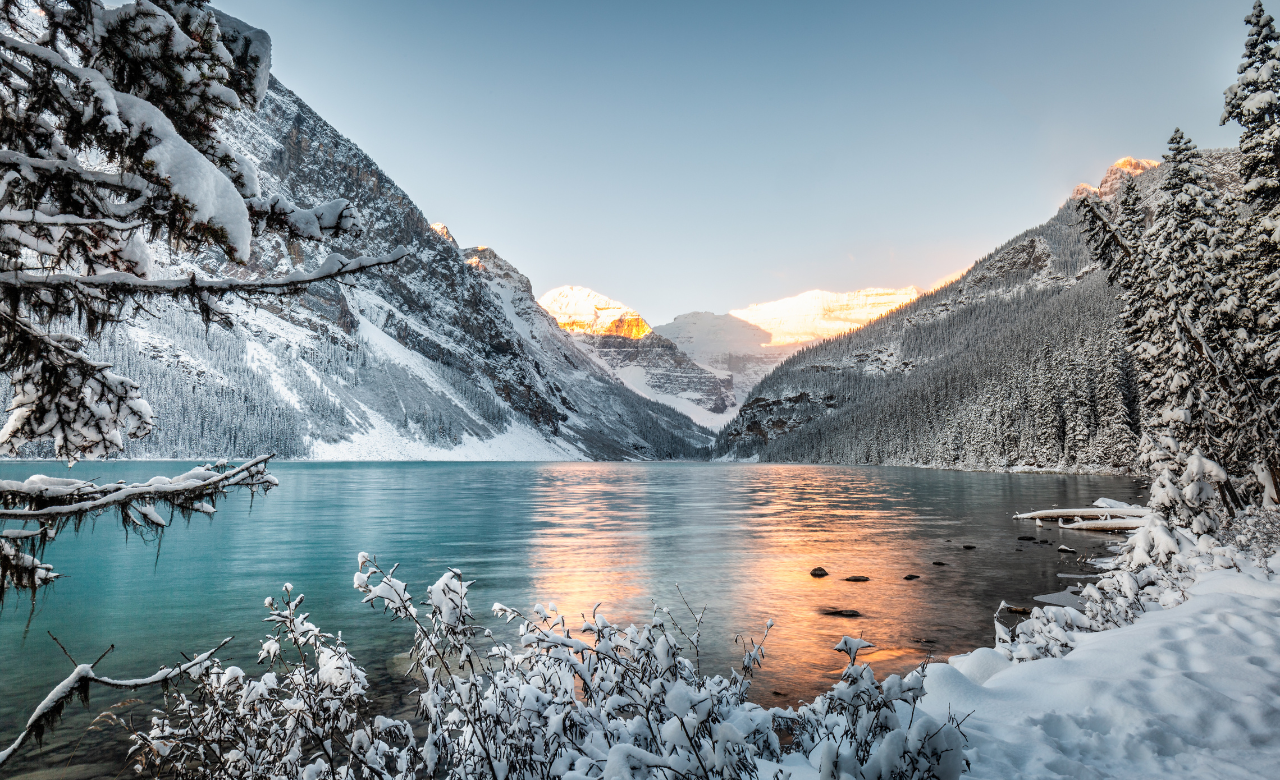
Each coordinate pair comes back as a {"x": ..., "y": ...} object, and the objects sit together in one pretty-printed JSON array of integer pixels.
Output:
[
  {"x": 1094, "y": 518},
  {"x": 1087, "y": 512}
]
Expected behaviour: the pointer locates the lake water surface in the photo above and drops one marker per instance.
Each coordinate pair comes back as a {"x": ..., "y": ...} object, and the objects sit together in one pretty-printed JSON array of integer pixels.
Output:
[{"x": 738, "y": 538}]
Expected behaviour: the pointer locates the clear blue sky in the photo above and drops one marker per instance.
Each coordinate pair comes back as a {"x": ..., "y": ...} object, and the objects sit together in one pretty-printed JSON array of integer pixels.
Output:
[{"x": 704, "y": 156}]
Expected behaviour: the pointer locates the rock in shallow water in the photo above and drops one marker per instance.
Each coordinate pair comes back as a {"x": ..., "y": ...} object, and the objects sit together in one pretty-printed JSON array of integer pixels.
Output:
[
  {"x": 912, "y": 577},
  {"x": 939, "y": 563},
  {"x": 843, "y": 613},
  {"x": 857, "y": 578},
  {"x": 818, "y": 571}
]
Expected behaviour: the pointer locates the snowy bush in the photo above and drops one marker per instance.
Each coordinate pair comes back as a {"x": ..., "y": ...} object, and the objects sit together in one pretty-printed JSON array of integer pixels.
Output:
[
  {"x": 600, "y": 702},
  {"x": 1155, "y": 567}
]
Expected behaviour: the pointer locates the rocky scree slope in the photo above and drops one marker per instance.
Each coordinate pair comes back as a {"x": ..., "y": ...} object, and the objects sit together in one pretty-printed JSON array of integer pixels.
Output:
[
  {"x": 436, "y": 357},
  {"x": 1016, "y": 364}
]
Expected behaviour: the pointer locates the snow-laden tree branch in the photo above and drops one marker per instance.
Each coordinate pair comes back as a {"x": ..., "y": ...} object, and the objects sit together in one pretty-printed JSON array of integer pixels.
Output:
[
  {"x": 112, "y": 140},
  {"x": 78, "y": 683},
  {"x": 44, "y": 506}
]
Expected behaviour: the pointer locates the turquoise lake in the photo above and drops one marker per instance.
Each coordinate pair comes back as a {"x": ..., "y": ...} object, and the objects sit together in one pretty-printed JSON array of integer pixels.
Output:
[{"x": 738, "y": 538}]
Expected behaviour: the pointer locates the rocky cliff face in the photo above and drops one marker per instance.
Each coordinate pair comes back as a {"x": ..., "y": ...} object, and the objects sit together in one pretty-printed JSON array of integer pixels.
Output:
[
  {"x": 1117, "y": 174},
  {"x": 446, "y": 355},
  {"x": 618, "y": 339},
  {"x": 728, "y": 345},
  {"x": 664, "y": 371}
]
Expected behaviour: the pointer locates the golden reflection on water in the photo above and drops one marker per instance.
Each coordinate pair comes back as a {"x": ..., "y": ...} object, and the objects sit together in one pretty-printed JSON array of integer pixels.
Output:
[{"x": 594, "y": 542}]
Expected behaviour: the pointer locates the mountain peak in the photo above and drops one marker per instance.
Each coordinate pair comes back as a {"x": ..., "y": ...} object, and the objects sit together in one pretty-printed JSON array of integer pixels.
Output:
[
  {"x": 1121, "y": 171},
  {"x": 440, "y": 229},
  {"x": 582, "y": 310}
]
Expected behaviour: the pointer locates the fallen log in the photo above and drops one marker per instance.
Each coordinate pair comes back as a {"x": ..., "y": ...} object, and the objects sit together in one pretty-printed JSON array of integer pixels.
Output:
[{"x": 1086, "y": 512}]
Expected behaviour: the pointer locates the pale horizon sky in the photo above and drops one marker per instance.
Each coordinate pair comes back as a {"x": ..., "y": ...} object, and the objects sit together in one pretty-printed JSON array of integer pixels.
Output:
[{"x": 702, "y": 157}]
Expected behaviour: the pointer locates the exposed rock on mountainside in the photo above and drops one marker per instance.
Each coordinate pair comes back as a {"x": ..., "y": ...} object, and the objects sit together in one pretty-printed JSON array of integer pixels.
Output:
[
  {"x": 1121, "y": 171},
  {"x": 580, "y": 310},
  {"x": 727, "y": 344},
  {"x": 1017, "y": 363},
  {"x": 819, "y": 314},
  {"x": 437, "y": 357},
  {"x": 664, "y": 371},
  {"x": 619, "y": 339}
]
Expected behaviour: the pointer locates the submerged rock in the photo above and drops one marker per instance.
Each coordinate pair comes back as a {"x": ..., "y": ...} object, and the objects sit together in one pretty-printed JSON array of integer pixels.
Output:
[
  {"x": 818, "y": 571},
  {"x": 843, "y": 613},
  {"x": 912, "y": 577},
  {"x": 939, "y": 563},
  {"x": 1026, "y": 538},
  {"x": 971, "y": 547},
  {"x": 857, "y": 578}
]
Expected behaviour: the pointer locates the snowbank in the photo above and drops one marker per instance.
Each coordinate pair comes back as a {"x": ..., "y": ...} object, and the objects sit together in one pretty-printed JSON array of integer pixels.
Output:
[
  {"x": 1193, "y": 691},
  {"x": 380, "y": 440}
]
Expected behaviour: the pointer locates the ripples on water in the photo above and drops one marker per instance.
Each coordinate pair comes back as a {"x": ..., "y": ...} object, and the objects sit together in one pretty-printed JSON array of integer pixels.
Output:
[{"x": 740, "y": 539}]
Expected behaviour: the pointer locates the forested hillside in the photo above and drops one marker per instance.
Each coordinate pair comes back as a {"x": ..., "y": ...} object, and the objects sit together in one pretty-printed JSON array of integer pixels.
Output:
[
  {"x": 1017, "y": 363},
  {"x": 440, "y": 358}
]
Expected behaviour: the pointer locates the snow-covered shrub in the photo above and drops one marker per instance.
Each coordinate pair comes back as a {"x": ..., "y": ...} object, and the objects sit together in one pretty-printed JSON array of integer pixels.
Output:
[
  {"x": 1154, "y": 569},
  {"x": 305, "y": 718},
  {"x": 598, "y": 703},
  {"x": 1050, "y": 632}
]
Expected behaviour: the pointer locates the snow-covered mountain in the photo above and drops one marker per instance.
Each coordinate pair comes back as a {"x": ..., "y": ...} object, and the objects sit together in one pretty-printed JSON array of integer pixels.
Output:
[
  {"x": 1121, "y": 171},
  {"x": 1016, "y": 364},
  {"x": 818, "y": 314},
  {"x": 617, "y": 338},
  {"x": 444, "y": 356},
  {"x": 582, "y": 310},
  {"x": 727, "y": 345},
  {"x": 746, "y": 344}
]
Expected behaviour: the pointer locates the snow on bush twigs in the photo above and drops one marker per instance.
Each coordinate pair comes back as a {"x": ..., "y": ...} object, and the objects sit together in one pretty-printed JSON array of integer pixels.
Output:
[
  {"x": 77, "y": 684},
  {"x": 606, "y": 703}
]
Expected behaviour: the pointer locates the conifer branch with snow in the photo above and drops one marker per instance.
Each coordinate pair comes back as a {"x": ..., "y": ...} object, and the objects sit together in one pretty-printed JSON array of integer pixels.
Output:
[{"x": 112, "y": 140}]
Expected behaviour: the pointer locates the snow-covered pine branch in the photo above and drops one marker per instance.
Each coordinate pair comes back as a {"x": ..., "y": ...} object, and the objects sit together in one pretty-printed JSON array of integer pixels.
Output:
[
  {"x": 44, "y": 506},
  {"x": 112, "y": 140}
]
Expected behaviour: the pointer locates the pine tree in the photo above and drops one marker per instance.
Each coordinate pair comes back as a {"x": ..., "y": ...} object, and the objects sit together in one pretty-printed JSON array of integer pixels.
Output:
[
  {"x": 1115, "y": 444},
  {"x": 110, "y": 139},
  {"x": 1254, "y": 312}
]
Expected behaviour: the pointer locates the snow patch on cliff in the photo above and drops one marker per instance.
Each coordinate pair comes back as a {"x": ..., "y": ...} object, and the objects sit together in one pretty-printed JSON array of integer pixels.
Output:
[{"x": 380, "y": 440}]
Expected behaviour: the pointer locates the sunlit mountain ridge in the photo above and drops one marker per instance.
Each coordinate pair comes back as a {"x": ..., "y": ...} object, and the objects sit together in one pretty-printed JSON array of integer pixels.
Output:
[{"x": 1121, "y": 171}]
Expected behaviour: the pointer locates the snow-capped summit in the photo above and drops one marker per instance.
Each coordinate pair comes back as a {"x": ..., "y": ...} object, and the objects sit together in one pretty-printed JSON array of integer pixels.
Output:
[
  {"x": 1120, "y": 172},
  {"x": 818, "y": 314},
  {"x": 582, "y": 310},
  {"x": 619, "y": 340}
]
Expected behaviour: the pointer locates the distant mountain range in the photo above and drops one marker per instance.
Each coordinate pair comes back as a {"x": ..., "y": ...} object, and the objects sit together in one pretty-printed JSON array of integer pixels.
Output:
[
  {"x": 449, "y": 356},
  {"x": 738, "y": 348}
]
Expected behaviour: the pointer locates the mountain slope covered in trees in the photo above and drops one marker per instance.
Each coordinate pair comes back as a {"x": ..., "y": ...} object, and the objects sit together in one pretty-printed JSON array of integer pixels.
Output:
[
  {"x": 438, "y": 358},
  {"x": 1019, "y": 363}
]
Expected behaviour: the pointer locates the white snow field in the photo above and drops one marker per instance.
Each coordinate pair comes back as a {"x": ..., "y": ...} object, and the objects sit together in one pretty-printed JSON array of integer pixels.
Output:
[{"x": 1193, "y": 691}]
